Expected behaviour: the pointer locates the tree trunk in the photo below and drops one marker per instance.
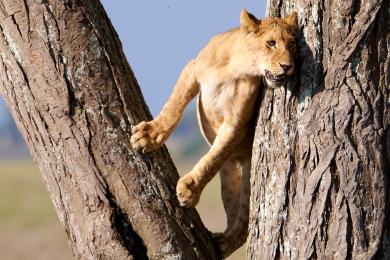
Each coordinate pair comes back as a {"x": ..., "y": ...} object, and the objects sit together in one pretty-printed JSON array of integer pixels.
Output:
[
  {"x": 320, "y": 175},
  {"x": 74, "y": 98}
]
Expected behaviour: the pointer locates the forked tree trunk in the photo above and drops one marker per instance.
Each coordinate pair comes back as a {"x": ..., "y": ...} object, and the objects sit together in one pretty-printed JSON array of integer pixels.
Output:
[
  {"x": 74, "y": 98},
  {"x": 321, "y": 151},
  {"x": 320, "y": 175}
]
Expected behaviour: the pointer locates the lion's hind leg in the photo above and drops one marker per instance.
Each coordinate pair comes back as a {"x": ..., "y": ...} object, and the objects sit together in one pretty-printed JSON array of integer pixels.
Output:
[
  {"x": 230, "y": 175},
  {"x": 235, "y": 189}
]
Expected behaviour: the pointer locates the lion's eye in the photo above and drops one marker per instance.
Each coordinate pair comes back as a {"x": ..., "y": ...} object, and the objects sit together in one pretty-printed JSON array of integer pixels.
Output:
[{"x": 271, "y": 43}]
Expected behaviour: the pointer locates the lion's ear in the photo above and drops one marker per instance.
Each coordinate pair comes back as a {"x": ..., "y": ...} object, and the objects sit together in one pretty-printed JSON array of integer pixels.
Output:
[
  {"x": 249, "y": 22},
  {"x": 292, "y": 19}
]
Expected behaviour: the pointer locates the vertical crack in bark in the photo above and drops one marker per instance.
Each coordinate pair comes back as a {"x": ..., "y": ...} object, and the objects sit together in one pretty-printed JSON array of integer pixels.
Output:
[
  {"x": 16, "y": 24},
  {"x": 129, "y": 238},
  {"x": 349, "y": 235},
  {"x": 355, "y": 10},
  {"x": 27, "y": 15},
  {"x": 72, "y": 101}
]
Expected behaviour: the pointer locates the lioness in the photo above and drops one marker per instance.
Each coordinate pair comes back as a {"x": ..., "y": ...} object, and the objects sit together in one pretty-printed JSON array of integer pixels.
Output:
[{"x": 227, "y": 74}]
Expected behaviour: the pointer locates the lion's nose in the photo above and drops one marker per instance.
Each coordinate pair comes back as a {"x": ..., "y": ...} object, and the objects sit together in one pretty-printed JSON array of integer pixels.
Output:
[{"x": 285, "y": 67}]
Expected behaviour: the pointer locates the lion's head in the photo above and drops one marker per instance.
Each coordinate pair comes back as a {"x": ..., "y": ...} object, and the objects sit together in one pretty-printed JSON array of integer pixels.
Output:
[{"x": 269, "y": 46}]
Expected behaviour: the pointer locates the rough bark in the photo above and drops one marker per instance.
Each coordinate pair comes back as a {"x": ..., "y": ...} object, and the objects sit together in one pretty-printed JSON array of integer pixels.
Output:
[
  {"x": 320, "y": 175},
  {"x": 74, "y": 98}
]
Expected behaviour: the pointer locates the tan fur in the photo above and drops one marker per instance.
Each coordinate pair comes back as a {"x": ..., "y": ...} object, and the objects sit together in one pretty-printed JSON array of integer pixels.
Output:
[{"x": 227, "y": 74}]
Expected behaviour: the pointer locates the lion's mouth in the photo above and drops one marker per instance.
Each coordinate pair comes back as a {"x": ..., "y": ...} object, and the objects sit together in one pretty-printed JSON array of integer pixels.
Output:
[{"x": 275, "y": 78}]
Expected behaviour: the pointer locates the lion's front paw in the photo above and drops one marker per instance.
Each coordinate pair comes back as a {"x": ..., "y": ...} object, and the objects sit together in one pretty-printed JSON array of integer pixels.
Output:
[
  {"x": 148, "y": 136},
  {"x": 187, "y": 191}
]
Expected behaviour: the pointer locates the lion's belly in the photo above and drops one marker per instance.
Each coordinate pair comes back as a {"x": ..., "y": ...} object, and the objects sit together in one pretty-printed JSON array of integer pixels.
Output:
[
  {"x": 211, "y": 106},
  {"x": 207, "y": 131}
]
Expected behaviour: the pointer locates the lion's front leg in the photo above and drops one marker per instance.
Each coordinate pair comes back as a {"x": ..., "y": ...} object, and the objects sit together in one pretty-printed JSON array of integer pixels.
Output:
[
  {"x": 190, "y": 186},
  {"x": 148, "y": 136}
]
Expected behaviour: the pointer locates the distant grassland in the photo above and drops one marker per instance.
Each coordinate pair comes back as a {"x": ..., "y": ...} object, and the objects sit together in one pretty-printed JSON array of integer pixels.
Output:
[{"x": 29, "y": 228}]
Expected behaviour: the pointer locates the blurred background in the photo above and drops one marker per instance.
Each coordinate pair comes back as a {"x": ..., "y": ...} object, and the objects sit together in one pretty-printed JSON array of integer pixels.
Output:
[{"x": 159, "y": 38}]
